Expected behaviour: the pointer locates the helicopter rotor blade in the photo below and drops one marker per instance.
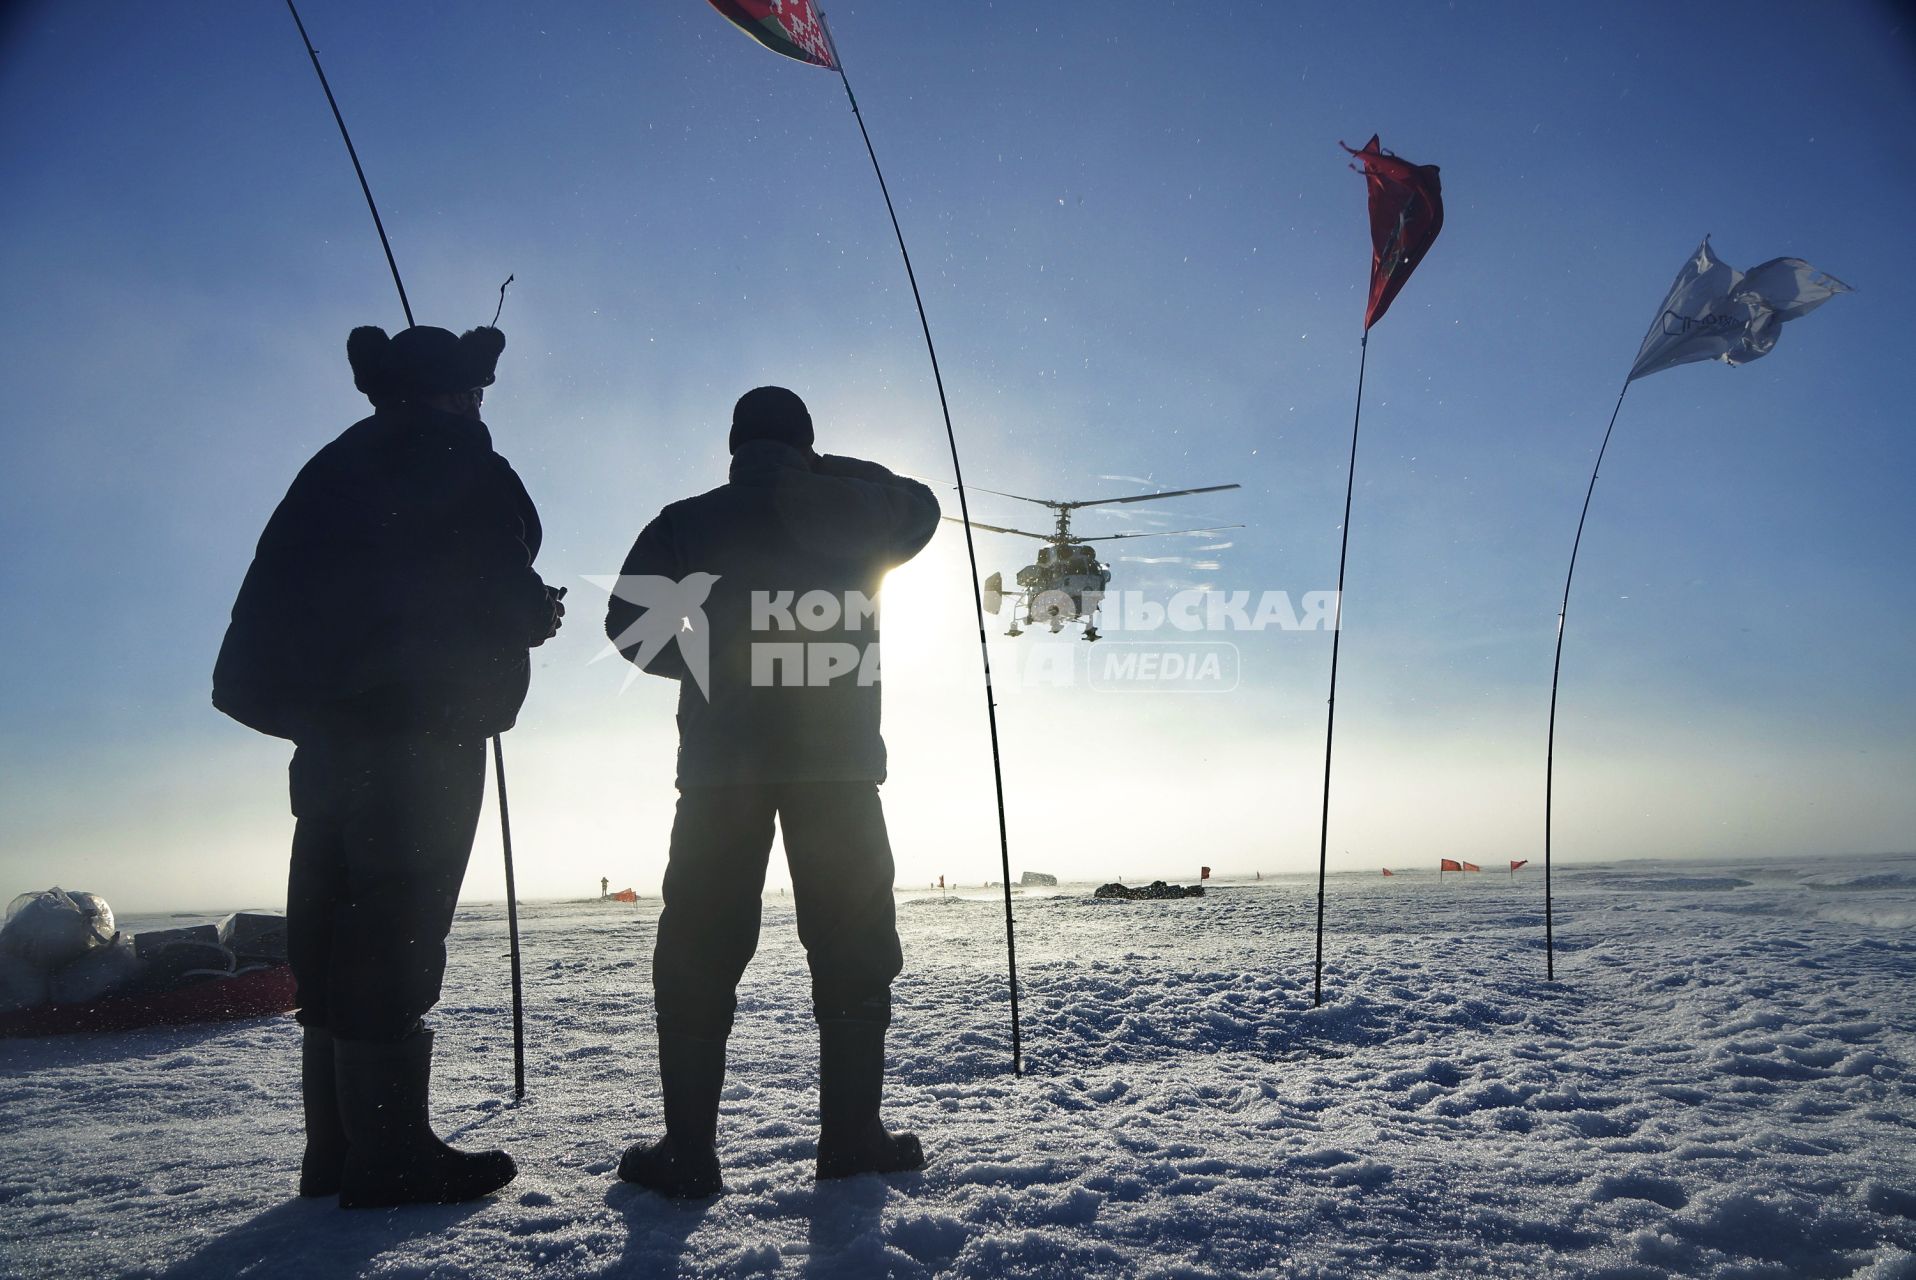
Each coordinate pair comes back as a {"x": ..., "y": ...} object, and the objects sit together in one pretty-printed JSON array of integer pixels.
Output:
[
  {"x": 998, "y": 528},
  {"x": 1158, "y": 533},
  {"x": 1042, "y": 502},
  {"x": 1141, "y": 497}
]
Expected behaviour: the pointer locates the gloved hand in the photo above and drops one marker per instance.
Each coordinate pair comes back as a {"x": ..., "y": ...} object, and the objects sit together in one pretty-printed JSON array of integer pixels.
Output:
[{"x": 555, "y": 601}]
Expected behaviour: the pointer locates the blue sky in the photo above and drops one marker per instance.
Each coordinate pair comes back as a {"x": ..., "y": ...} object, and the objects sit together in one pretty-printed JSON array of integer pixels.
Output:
[{"x": 1144, "y": 263}]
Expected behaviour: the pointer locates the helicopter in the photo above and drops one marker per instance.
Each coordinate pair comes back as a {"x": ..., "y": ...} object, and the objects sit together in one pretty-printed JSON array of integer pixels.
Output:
[{"x": 1067, "y": 581}]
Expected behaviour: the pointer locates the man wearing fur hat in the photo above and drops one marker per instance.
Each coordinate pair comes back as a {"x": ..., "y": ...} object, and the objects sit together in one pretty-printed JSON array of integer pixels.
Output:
[
  {"x": 776, "y": 574},
  {"x": 384, "y": 627}
]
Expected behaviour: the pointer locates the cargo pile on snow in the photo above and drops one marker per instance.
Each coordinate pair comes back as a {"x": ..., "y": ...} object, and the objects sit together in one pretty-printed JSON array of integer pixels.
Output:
[
  {"x": 64, "y": 967},
  {"x": 1156, "y": 889}
]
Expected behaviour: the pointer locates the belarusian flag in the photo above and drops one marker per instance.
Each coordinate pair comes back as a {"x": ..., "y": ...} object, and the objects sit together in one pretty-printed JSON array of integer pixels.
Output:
[{"x": 791, "y": 27}]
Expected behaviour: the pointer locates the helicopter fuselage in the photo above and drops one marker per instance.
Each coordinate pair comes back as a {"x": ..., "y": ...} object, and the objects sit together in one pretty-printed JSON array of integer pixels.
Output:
[{"x": 1066, "y": 584}]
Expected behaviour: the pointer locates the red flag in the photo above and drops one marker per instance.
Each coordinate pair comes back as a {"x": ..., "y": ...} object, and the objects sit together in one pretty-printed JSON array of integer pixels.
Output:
[
  {"x": 1518, "y": 862},
  {"x": 1204, "y": 873},
  {"x": 1449, "y": 864},
  {"x": 791, "y": 27},
  {"x": 1406, "y": 213},
  {"x": 1471, "y": 866},
  {"x": 1389, "y": 872}
]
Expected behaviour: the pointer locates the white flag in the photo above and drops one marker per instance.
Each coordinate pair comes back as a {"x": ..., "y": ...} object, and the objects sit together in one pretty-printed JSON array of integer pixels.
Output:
[{"x": 1715, "y": 312}]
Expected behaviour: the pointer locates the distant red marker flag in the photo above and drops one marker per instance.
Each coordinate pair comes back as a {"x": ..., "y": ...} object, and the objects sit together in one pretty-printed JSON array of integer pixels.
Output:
[
  {"x": 1204, "y": 873},
  {"x": 1448, "y": 864},
  {"x": 1389, "y": 872},
  {"x": 790, "y": 27},
  {"x": 1406, "y": 213},
  {"x": 1471, "y": 866},
  {"x": 1518, "y": 862}
]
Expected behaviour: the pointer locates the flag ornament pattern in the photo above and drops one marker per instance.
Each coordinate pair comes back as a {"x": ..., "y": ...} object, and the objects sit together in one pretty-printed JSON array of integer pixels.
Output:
[
  {"x": 793, "y": 28},
  {"x": 1406, "y": 213},
  {"x": 1715, "y": 312}
]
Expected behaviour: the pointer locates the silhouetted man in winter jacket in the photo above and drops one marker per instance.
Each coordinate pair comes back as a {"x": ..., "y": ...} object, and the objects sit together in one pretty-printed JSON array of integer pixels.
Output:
[
  {"x": 384, "y": 628},
  {"x": 759, "y": 598}
]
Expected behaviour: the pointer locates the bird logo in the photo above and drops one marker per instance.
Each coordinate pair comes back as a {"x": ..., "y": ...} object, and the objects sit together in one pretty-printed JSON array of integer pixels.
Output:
[{"x": 674, "y": 613}]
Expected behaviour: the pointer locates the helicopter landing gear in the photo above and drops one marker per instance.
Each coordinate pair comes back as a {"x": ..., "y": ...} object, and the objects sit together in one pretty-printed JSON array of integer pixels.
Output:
[
  {"x": 1090, "y": 632},
  {"x": 1016, "y": 630}
]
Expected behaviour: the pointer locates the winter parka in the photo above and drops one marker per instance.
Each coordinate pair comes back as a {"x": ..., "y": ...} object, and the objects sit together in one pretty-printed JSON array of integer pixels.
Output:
[
  {"x": 759, "y": 598},
  {"x": 392, "y": 590}
]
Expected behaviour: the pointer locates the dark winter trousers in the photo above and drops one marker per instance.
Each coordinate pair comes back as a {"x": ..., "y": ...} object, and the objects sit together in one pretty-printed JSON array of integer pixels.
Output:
[
  {"x": 385, "y": 828},
  {"x": 841, "y": 866}
]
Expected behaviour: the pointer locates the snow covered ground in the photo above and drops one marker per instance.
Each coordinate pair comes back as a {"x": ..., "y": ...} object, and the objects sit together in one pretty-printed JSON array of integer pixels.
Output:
[{"x": 1719, "y": 1085}]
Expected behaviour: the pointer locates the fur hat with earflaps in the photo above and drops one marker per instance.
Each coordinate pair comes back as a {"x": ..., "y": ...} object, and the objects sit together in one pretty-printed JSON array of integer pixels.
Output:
[{"x": 422, "y": 361}]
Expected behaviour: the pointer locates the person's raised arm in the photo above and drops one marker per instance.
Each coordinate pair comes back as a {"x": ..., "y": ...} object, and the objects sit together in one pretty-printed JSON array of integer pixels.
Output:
[{"x": 860, "y": 506}]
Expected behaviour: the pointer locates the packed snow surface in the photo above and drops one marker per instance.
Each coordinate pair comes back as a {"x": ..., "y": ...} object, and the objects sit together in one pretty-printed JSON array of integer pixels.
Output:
[{"x": 1717, "y": 1085}]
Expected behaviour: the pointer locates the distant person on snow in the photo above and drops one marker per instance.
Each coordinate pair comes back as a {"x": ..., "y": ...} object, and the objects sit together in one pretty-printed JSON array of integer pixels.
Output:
[
  {"x": 384, "y": 628},
  {"x": 765, "y": 586}
]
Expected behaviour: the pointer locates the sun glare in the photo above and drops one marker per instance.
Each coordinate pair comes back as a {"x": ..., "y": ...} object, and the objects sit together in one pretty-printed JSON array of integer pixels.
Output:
[{"x": 925, "y": 606}]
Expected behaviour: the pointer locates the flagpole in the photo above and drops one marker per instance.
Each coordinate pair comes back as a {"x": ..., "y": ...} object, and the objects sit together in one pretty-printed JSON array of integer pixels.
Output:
[
  {"x": 971, "y": 551},
  {"x": 1556, "y": 670},
  {"x": 351, "y": 151},
  {"x": 1330, "y": 707}
]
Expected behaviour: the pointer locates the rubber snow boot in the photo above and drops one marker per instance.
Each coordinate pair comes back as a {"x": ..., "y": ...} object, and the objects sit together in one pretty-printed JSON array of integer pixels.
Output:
[
  {"x": 684, "y": 1164},
  {"x": 325, "y": 1157},
  {"x": 851, "y": 1078},
  {"x": 392, "y": 1155}
]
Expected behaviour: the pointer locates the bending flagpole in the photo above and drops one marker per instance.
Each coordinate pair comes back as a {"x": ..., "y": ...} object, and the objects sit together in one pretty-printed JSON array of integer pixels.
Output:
[
  {"x": 1330, "y": 707},
  {"x": 1406, "y": 210},
  {"x": 498, "y": 750},
  {"x": 1706, "y": 294},
  {"x": 354, "y": 153},
  {"x": 1556, "y": 669},
  {"x": 971, "y": 550}
]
